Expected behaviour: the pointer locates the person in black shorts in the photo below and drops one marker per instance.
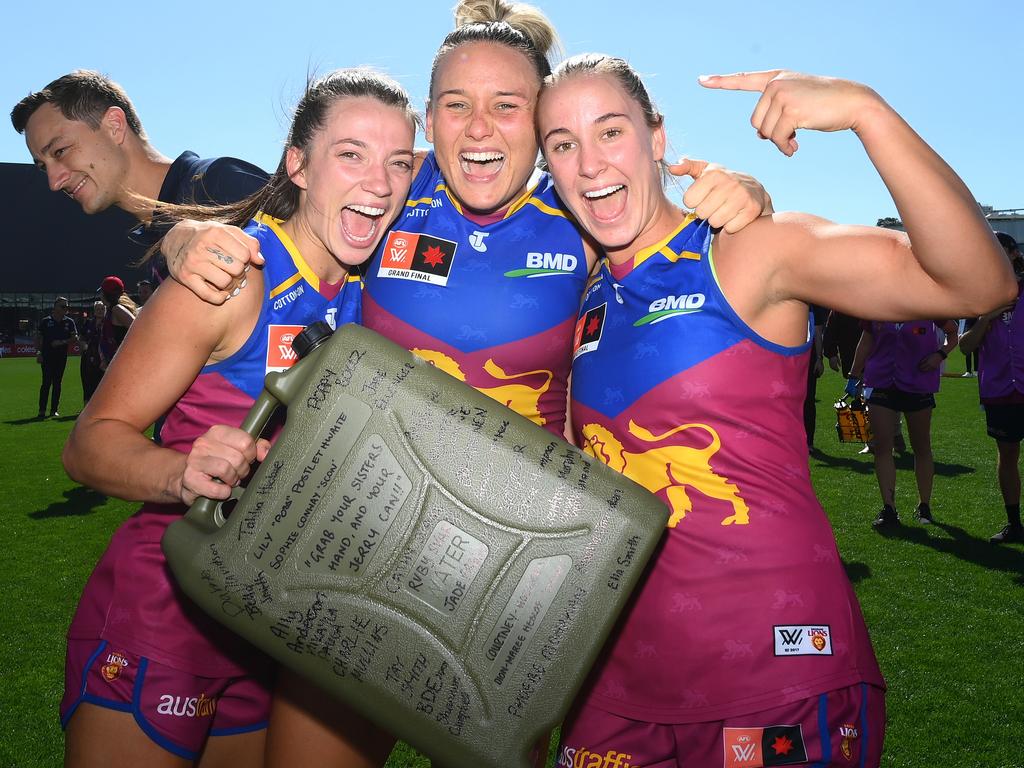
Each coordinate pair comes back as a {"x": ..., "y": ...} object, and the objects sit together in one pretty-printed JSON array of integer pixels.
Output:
[
  {"x": 997, "y": 337},
  {"x": 55, "y": 333},
  {"x": 901, "y": 364}
]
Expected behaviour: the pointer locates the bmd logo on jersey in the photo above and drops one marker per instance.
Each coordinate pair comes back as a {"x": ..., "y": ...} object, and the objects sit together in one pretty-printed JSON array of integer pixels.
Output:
[
  {"x": 545, "y": 265},
  {"x": 280, "y": 355},
  {"x": 671, "y": 306},
  {"x": 413, "y": 256},
  {"x": 588, "y": 330}
]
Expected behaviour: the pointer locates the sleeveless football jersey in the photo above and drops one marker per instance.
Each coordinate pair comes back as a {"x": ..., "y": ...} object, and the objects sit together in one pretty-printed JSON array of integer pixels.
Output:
[
  {"x": 131, "y": 598},
  {"x": 1001, "y": 357},
  {"x": 492, "y": 305},
  {"x": 747, "y": 605},
  {"x": 898, "y": 349}
]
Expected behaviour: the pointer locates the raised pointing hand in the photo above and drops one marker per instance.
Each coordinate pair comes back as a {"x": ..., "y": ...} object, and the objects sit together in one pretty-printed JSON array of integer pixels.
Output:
[{"x": 791, "y": 100}]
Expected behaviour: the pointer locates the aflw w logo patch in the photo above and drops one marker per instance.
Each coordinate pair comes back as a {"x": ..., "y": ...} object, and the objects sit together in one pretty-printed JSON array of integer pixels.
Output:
[
  {"x": 803, "y": 640},
  {"x": 280, "y": 355},
  {"x": 763, "y": 747}
]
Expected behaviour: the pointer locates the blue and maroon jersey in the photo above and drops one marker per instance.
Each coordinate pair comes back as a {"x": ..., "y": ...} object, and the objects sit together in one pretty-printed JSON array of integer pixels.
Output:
[
  {"x": 295, "y": 298},
  {"x": 897, "y": 351},
  {"x": 746, "y": 605},
  {"x": 131, "y": 598},
  {"x": 493, "y": 305}
]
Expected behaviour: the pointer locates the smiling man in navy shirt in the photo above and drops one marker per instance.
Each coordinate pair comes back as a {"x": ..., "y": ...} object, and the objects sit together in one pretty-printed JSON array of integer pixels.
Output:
[{"x": 84, "y": 133}]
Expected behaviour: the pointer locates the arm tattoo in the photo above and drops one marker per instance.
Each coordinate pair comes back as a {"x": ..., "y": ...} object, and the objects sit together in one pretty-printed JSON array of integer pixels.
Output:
[{"x": 221, "y": 256}]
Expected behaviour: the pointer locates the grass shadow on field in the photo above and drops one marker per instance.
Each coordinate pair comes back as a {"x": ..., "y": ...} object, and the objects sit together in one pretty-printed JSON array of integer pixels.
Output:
[
  {"x": 964, "y": 546},
  {"x": 37, "y": 420},
  {"x": 77, "y": 501},
  {"x": 856, "y": 571},
  {"x": 863, "y": 464},
  {"x": 23, "y": 422},
  {"x": 859, "y": 465}
]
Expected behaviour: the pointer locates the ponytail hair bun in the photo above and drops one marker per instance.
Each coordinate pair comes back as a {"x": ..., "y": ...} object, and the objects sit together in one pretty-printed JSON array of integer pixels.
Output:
[
  {"x": 527, "y": 19},
  {"x": 518, "y": 26}
]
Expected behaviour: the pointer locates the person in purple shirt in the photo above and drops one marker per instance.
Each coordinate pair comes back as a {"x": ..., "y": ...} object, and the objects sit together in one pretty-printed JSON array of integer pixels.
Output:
[
  {"x": 998, "y": 337},
  {"x": 900, "y": 362}
]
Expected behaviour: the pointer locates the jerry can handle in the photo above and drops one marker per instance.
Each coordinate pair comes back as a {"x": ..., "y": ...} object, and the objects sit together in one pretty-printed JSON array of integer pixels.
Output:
[{"x": 209, "y": 513}]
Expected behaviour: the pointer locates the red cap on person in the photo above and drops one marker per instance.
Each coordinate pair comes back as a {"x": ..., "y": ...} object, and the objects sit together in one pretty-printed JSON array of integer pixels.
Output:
[{"x": 112, "y": 285}]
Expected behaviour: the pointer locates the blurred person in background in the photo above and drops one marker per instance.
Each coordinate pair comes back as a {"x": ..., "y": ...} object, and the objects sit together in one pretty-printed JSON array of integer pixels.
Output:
[
  {"x": 815, "y": 369},
  {"x": 121, "y": 313},
  {"x": 54, "y": 334},
  {"x": 997, "y": 337},
  {"x": 89, "y": 340},
  {"x": 144, "y": 288}
]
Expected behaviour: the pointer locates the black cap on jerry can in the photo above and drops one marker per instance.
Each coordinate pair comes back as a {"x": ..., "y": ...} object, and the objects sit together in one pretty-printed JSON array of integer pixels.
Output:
[{"x": 311, "y": 337}]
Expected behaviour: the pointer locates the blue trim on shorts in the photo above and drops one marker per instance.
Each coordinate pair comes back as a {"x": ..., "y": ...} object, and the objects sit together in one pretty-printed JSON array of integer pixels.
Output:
[
  {"x": 823, "y": 733},
  {"x": 146, "y": 726},
  {"x": 863, "y": 724},
  {"x": 239, "y": 729},
  {"x": 82, "y": 696}
]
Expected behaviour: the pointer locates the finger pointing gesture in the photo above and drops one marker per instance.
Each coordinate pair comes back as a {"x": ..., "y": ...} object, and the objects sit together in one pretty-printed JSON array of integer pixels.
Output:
[
  {"x": 740, "y": 81},
  {"x": 790, "y": 100}
]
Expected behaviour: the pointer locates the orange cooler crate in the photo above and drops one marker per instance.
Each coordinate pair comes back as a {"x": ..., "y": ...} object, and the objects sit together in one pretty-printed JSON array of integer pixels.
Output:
[{"x": 852, "y": 423}]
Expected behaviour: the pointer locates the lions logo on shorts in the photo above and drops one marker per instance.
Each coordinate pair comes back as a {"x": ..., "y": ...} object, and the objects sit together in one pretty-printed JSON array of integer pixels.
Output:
[{"x": 116, "y": 661}]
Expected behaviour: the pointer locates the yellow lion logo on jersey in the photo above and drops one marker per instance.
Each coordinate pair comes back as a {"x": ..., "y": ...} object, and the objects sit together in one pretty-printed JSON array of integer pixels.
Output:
[
  {"x": 521, "y": 398},
  {"x": 671, "y": 467}
]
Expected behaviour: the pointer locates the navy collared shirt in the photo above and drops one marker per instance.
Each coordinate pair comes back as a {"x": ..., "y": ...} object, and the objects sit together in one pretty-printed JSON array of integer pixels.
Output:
[
  {"x": 205, "y": 181},
  {"x": 51, "y": 330}
]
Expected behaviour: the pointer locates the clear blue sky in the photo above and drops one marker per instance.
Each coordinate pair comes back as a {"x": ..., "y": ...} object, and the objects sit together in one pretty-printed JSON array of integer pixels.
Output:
[{"x": 220, "y": 77}]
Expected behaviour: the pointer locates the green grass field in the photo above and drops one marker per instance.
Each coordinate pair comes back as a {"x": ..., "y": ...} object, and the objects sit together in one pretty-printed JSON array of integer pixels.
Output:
[{"x": 945, "y": 608}]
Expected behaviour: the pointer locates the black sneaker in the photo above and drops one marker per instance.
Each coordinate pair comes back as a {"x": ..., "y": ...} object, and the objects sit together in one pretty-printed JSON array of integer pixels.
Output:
[
  {"x": 42, "y": 415},
  {"x": 923, "y": 514},
  {"x": 1010, "y": 533},
  {"x": 54, "y": 415},
  {"x": 886, "y": 517}
]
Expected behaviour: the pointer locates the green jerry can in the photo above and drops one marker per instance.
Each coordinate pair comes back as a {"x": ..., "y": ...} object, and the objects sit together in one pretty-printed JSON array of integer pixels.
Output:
[{"x": 438, "y": 562}]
